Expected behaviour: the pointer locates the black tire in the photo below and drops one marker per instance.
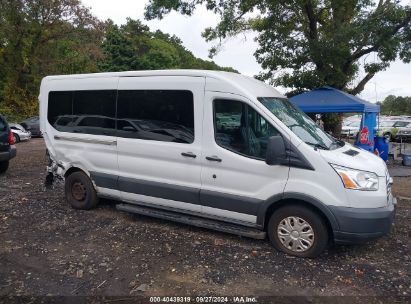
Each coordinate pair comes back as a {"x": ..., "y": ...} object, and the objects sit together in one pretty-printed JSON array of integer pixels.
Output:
[
  {"x": 4, "y": 165},
  {"x": 318, "y": 227},
  {"x": 16, "y": 138},
  {"x": 80, "y": 192}
]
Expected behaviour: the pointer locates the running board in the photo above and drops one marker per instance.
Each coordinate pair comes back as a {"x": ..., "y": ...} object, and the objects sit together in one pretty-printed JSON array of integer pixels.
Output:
[{"x": 194, "y": 221}]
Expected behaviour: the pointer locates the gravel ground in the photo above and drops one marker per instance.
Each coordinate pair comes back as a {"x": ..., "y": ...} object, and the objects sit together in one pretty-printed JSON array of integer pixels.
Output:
[{"x": 47, "y": 248}]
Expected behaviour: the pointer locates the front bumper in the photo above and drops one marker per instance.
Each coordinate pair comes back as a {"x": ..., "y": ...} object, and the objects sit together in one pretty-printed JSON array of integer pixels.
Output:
[
  {"x": 403, "y": 137},
  {"x": 5, "y": 156},
  {"x": 25, "y": 136},
  {"x": 358, "y": 225}
]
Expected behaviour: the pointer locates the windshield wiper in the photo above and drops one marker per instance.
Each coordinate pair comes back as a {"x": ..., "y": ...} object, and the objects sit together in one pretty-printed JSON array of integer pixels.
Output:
[
  {"x": 320, "y": 146},
  {"x": 339, "y": 142}
]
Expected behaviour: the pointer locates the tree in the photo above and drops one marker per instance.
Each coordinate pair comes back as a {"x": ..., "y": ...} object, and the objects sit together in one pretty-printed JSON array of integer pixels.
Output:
[
  {"x": 304, "y": 44},
  {"x": 133, "y": 46},
  {"x": 39, "y": 38},
  {"x": 396, "y": 105}
]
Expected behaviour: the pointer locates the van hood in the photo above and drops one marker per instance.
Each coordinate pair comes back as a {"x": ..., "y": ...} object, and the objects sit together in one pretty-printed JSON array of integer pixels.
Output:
[{"x": 355, "y": 158}]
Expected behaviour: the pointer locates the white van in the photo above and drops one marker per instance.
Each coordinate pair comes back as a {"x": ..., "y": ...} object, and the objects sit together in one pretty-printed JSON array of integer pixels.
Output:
[{"x": 212, "y": 149}]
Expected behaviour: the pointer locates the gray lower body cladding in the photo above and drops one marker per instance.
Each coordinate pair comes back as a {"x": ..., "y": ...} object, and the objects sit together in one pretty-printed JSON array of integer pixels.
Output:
[
  {"x": 350, "y": 225},
  {"x": 212, "y": 199}
]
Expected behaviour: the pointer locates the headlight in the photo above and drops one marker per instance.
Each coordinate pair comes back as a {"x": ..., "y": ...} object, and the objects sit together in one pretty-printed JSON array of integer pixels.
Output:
[{"x": 356, "y": 179}]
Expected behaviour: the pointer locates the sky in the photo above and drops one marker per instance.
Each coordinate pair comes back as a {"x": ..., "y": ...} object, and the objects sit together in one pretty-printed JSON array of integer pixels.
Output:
[{"x": 236, "y": 52}]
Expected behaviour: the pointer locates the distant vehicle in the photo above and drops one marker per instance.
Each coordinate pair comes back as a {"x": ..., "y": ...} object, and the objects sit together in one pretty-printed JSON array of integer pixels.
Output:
[
  {"x": 227, "y": 122},
  {"x": 7, "y": 148},
  {"x": 351, "y": 129},
  {"x": 347, "y": 122},
  {"x": 389, "y": 128},
  {"x": 32, "y": 124},
  {"x": 385, "y": 128},
  {"x": 19, "y": 133},
  {"x": 404, "y": 135}
]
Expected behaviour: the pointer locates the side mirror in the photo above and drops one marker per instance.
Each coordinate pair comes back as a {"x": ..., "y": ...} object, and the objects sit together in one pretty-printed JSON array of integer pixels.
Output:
[{"x": 275, "y": 151}]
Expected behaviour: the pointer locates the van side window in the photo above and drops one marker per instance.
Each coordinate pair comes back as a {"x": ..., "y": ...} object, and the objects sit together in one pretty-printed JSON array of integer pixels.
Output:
[
  {"x": 162, "y": 115},
  {"x": 95, "y": 112},
  {"x": 60, "y": 107},
  {"x": 239, "y": 128},
  {"x": 89, "y": 112}
]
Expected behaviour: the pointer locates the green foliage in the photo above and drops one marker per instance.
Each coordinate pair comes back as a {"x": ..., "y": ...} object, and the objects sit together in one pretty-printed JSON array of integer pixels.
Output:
[
  {"x": 133, "y": 46},
  {"x": 49, "y": 37},
  {"x": 394, "y": 132},
  {"x": 304, "y": 44},
  {"x": 396, "y": 105},
  {"x": 39, "y": 38}
]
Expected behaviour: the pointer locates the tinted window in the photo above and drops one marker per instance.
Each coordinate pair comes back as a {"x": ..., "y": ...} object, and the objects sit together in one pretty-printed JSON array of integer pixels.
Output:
[
  {"x": 60, "y": 105},
  {"x": 96, "y": 111},
  {"x": 156, "y": 115},
  {"x": 239, "y": 128},
  {"x": 90, "y": 112},
  {"x": 65, "y": 120}
]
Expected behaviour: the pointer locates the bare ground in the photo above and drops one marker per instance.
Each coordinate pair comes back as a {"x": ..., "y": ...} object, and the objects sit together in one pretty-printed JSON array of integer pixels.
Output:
[{"x": 47, "y": 248}]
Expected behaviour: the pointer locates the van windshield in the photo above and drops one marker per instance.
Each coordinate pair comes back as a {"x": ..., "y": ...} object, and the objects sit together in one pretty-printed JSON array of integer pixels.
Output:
[{"x": 298, "y": 122}]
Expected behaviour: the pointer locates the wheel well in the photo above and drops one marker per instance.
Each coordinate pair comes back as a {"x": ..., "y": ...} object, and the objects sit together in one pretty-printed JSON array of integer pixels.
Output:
[
  {"x": 287, "y": 202},
  {"x": 71, "y": 171}
]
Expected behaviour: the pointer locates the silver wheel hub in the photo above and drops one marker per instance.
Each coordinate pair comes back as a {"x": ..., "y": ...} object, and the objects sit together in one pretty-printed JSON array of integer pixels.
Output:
[{"x": 295, "y": 234}]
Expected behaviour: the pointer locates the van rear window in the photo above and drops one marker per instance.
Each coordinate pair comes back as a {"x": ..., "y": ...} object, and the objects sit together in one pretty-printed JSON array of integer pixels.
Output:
[{"x": 89, "y": 112}]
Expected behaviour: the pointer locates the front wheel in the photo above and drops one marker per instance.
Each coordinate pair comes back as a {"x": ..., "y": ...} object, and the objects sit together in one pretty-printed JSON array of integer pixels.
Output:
[
  {"x": 80, "y": 192},
  {"x": 298, "y": 231}
]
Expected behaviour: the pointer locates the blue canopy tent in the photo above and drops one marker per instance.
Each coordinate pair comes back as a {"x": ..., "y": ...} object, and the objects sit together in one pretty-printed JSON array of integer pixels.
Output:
[{"x": 330, "y": 100}]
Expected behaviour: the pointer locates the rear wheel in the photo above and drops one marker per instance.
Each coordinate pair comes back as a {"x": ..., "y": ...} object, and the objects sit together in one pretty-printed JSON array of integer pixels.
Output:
[
  {"x": 16, "y": 138},
  {"x": 4, "y": 165},
  {"x": 80, "y": 192},
  {"x": 298, "y": 231}
]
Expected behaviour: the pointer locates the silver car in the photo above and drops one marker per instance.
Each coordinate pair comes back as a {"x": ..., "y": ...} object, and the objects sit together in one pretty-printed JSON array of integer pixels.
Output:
[
  {"x": 404, "y": 134},
  {"x": 19, "y": 133}
]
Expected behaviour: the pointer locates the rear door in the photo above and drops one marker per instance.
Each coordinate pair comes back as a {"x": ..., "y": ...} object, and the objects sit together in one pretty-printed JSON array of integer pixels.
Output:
[{"x": 159, "y": 129}]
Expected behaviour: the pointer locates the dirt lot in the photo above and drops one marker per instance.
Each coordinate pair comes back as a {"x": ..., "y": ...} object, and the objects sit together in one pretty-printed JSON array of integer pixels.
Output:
[{"x": 47, "y": 248}]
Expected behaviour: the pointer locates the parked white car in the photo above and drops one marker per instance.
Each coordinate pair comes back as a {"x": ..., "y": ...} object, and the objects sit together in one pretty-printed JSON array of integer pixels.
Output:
[
  {"x": 19, "y": 133},
  {"x": 269, "y": 171},
  {"x": 351, "y": 129}
]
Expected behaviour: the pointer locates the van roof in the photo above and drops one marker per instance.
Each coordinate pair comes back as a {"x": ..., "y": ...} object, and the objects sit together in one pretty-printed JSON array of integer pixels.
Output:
[
  {"x": 176, "y": 72},
  {"x": 233, "y": 82}
]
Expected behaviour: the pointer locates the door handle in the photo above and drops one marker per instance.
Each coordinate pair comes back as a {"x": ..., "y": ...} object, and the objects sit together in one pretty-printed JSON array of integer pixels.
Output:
[
  {"x": 214, "y": 158},
  {"x": 189, "y": 154}
]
